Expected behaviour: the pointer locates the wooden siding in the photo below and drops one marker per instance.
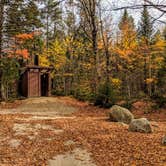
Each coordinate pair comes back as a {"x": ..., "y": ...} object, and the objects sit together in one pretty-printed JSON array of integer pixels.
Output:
[
  {"x": 24, "y": 84},
  {"x": 33, "y": 84}
]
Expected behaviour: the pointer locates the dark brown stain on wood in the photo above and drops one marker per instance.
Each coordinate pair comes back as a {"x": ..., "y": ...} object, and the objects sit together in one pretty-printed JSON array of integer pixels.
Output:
[{"x": 36, "y": 81}]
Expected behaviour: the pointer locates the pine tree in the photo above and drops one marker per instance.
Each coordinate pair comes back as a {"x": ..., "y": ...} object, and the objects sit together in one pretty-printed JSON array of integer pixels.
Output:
[
  {"x": 22, "y": 17},
  {"x": 51, "y": 15},
  {"x": 126, "y": 20},
  {"x": 2, "y": 6},
  {"x": 146, "y": 27},
  {"x": 32, "y": 17},
  {"x": 145, "y": 35},
  {"x": 14, "y": 21},
  {"x": 162, "y": 71}
]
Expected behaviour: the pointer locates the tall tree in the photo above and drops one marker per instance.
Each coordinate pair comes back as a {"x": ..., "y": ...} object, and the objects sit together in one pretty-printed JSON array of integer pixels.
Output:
[
  {"x": 89, "y": 24},
  {"x": 22, "y": 17},
  {"x": 126, "y": 20},
  {"x": 126, "y": 51},
  {"x": 146, "y": 26},
  {"x": 2, "y": 5},
  {"x": 51, "y": 14},
  {"x": 32, "y": 16},
  {"x": 162, "y": 69},
  {"x": 15, "y": 19},
  {"x": 145, "y": 34}
]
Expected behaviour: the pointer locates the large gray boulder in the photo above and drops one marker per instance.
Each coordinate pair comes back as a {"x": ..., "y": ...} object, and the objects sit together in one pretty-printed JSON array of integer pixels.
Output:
[
  {"x": 164, "y": 141},
  {"x": 120, "y": 114},
  {"x": 140, "y": 125}
]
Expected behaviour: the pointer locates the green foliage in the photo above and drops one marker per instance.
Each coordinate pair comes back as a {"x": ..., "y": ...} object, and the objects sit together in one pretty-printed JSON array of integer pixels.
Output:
[
  {"x": 22, "y": 17},
  {"x": 58, "y": 92},
  {"x": 126, "y": 20},
  {"x": 83, "y": 50},
  {"x": 160, "y": 101},
  {"x": 51, "y": 15},
  {"x": 9, "y": 68},
  {"x": 83, "y": 93},
  {"x": 105, "y": 96},
  {"x": 146, "y": 27},
  {"x": 127, "y": 104},
  {"x": 162, "y": 80}
]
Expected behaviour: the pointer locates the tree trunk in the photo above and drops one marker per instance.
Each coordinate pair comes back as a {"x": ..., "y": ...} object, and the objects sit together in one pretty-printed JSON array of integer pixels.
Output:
[
  {"x": 95, "y": 74},
  {"x": 95, "y": 49},
  {"x": 145, "y": 76},
  {"x": 150, "y": 76},
  {"x": 1, "y": 26},
  {"x": 1, "y": 36}
]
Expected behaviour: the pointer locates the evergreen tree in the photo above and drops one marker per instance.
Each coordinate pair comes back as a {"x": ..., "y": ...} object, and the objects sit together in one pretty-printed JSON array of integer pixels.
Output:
[
  {"x": 145, "y": 35},
  {"x": 2, "y": 6},
  {"x": 146, "y": 27},
  {"x": 51, "y": 15},
  {"x": 32, "y": 17},
  {"x": 15, "y": 19},
  {"x": 22, "y": 17},
  {"x": 126, "y": 20},
  {"x": 162, "y": 71}
]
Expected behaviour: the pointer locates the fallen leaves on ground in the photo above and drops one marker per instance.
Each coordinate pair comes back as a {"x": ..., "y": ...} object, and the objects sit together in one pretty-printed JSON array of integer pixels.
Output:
[{"x": 109, "y": 143}]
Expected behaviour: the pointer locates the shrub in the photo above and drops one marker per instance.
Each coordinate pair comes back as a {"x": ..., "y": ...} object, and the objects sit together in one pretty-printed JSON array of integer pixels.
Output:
[
  {"x": 105, "y": 96},
  {"x": 127, "y": 104},
  {"x": 9, "y": 68},
  {"x": 160, "y": 101},
  {"x": 83, "y": 93}
]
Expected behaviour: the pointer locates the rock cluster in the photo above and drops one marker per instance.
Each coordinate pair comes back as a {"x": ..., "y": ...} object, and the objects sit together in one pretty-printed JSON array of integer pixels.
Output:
[{"x": 120, "y": 114}]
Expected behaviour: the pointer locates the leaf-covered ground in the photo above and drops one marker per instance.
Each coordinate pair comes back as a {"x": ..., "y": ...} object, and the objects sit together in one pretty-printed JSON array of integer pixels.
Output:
[{"x": 34, "y": 139}]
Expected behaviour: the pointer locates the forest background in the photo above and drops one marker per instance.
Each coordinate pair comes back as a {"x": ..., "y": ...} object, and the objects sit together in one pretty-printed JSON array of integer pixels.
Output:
[{"x": 97, "y": 53}]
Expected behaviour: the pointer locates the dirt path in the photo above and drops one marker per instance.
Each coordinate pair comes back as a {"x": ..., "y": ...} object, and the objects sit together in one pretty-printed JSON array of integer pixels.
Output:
[
  {"x": 44, "y": 106},
  {"x": 65, "y": 132},
  {"x": 27, "y": 123}
]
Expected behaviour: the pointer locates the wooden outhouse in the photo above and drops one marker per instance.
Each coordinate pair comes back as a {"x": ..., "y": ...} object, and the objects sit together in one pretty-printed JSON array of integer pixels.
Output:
[{"x": 35, "y": 81}]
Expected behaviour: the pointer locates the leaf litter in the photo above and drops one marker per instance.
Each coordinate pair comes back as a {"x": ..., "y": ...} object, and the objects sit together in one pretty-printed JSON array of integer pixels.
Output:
[{"x": 106, "y": 143}]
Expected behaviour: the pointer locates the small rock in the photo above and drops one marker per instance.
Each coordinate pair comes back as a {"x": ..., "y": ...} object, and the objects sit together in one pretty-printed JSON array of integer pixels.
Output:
[
  {"x": 120, "y": 114},
  {"x": 140, "y": 125},
  {"x": 14, "y": 143},
  {"x": 77, "y": 157},
  {"x": 164, "y": 141},
  {"x": 70, "y": 142}
]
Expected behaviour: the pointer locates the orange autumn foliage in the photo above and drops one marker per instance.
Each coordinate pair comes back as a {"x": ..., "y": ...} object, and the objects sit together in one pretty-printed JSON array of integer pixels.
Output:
[
  {"x": 22, "y": 53},
  {"x": 24, "y": 36},
  {"x": 18, "y": 50},
  {"x": 18, "y": 54}
]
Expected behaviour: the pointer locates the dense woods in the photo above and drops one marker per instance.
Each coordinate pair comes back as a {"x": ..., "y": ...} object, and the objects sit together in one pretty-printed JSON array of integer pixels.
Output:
[
  {"x": 83, "y": 82},
  {"x": 91, "y": 59}
]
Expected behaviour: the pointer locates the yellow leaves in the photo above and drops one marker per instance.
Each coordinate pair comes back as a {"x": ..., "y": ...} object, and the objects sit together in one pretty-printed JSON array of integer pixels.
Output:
[
  {"x": 150, "y": 81},
  {"x": 43, "y": 60},
  {"x": 62, "y": 53},
  {"x": 55, "y": 56},
  {"x": 125, "y": 54},
  {"x": 127, "y": 45},
  {"x": 116, "y": 82},
  {"x": 100, "y": 45},
  {"x": 160, "y": 44}
]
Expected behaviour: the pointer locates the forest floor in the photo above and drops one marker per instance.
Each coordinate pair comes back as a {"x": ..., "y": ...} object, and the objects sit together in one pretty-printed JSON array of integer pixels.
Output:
[{"x": 65, "y": 132}]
